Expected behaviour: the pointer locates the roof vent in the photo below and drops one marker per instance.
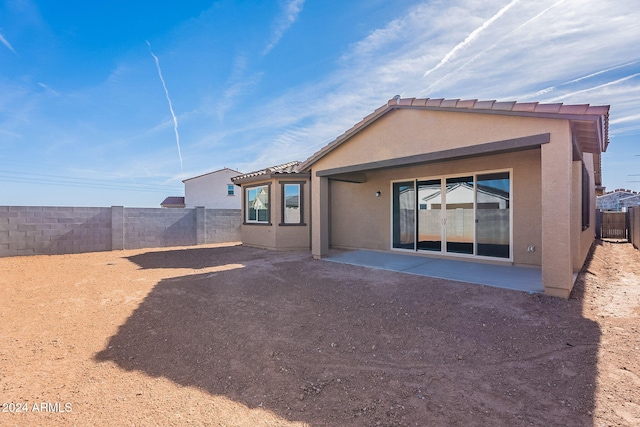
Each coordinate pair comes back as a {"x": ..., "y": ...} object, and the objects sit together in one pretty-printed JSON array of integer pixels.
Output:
[{"x": 396, "y": 97}]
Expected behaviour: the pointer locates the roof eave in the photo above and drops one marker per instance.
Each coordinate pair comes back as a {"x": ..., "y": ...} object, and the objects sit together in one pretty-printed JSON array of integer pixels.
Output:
[
  {"x": 597, "y": 114},
  {"x": 345, "y": 136},
  {"x": 210, "y": 173},
  {"x": 269, "y": 177}
]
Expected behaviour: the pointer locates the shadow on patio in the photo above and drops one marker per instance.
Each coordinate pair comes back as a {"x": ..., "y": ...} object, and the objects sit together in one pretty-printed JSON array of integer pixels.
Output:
[{"x": 333, "y": 344}]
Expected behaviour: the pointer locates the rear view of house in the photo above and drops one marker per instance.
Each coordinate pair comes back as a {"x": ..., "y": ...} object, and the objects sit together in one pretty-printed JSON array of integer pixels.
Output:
[{"x": 482, "y": 181}]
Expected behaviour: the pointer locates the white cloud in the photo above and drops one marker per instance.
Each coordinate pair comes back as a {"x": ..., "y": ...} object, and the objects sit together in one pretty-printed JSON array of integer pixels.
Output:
[
  {"x": 553, "y": 49},
  {"x": 238, "y": 83}
]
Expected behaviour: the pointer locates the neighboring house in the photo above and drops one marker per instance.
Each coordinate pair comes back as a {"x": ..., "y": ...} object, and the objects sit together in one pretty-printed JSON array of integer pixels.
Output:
[
  {"x": 613, "y": 201},
  {"x": 173, "y": 202},
  {"x": 213, "y": 190},
  {"x": 630, "y": 201},
  {"x": 517, "y": 181}
]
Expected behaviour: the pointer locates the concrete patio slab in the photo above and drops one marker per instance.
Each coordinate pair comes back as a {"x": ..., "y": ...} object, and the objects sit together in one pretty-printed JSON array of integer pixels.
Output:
[{"x": 526, "y": 279}]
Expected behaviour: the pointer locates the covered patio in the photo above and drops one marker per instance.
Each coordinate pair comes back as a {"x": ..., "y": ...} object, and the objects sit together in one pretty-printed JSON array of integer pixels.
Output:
[{"x": 519, "y": 278}]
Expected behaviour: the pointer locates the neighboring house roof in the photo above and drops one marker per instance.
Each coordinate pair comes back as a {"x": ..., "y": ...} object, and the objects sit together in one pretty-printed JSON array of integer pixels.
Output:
[
  {"x": 616, "y": 195},
  {"x": 630, "y": 197},
  {"x": 484, "y": 189},
  {"x": 590, "y": 123},
  {"x": 211, "y": 173},
  {"x": 630, "y": 200},
  {"x": 290, "y": 168},
  {"x": 173, "y": 202},
  {"x": 616, "y": 199}
]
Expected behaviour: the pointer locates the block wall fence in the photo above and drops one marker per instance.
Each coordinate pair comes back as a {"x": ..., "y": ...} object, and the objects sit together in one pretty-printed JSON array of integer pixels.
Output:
[{"x": 30, "y": 230}]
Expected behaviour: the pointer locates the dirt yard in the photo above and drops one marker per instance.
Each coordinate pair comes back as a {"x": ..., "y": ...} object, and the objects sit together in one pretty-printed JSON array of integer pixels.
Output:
[{"x": 233, "y": 336}]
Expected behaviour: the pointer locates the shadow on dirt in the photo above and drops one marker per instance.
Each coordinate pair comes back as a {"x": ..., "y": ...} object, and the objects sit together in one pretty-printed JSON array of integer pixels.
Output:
[
  {"x": 196, "y": 258},
  {"x": 338, "y": 345}
]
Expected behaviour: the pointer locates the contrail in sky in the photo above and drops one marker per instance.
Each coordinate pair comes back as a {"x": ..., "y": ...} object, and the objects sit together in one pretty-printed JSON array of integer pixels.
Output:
[
  {"x": 588, "y": 76},
  {"x": 614, "y": 82},
  {"x": 7, "y": 44},
  {"x": 471, "y": 37},
  {"x": 166, "y": 92},
  {"x": 291, "y": 11},
  {"x": 482, "y": 52}
]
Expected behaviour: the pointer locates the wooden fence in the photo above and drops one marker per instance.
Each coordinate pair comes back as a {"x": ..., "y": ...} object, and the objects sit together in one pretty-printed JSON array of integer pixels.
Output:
[
  {"x": 615, "y": 225},
  {"x": 634, "y": 226}
]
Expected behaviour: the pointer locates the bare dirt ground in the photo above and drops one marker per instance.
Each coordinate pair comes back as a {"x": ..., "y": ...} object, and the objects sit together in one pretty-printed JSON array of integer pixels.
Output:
[{"x": 234, "y": 336}]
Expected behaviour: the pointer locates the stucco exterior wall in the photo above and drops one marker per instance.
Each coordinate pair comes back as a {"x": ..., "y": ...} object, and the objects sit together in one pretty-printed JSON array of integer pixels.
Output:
[
  {"x": 292, "y": 237},
  {"x": 359, "y": 219},
  {"x": 277, "y": 235},
  {"x": 558, "y": 218},
  {"x": 544, "y": 197},
  {"x": 258, "y": 235},
  {"x": 413, "y": 132},
  {"x": 210, "y": 191}
]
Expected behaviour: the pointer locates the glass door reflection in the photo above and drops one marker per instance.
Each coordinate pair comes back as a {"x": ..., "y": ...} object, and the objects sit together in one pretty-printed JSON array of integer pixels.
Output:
[
  {"x": 404, "y": 200},
  {"x": 492, "y": 215},
  {"x": 459, "y": 220},
  {"x": 430, "y": 215}
]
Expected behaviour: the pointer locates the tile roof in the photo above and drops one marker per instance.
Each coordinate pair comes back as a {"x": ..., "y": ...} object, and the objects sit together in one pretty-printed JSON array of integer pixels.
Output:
[
  {"x": 173, "y": 201},
  {"x": 474, "y": 104},
  {"x": 290, "y": 167},
  {"x": 591, "y": 122},
  {"x": 211, "y": 173}
]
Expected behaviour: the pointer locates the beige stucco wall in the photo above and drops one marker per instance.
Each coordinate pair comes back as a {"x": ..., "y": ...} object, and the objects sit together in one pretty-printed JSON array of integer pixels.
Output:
[
  {"x": 291, "y": 237},
  {"x": 412, "y": 132},
  {"x": 258, "y": 235},
  {"x": 359, "y": 219},
  {"x": 558, "y": 216},
  {"x": 275, "y": 235},
  {"x": 543, "y": 194}
]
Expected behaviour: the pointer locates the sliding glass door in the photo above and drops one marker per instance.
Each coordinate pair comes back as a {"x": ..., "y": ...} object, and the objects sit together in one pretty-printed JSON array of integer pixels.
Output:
[
  {"x": 467, "y": 214},
  {"x": 459, "y": 220},
  {"x": 493, "y": 229},
  {"x": 404, "y": 201},
  {"x": 430, "y": 215}
]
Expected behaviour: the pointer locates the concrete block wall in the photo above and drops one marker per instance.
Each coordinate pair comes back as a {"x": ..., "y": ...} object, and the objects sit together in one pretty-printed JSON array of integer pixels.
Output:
[
  {"x": 28, "y": 230},
  {"x": 154, "y": 228},
  {"x": 222, "y": 225}
]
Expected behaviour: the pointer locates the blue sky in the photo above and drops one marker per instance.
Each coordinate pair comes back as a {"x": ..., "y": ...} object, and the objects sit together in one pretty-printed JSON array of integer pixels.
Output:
[{"x": 85, "y": 119}]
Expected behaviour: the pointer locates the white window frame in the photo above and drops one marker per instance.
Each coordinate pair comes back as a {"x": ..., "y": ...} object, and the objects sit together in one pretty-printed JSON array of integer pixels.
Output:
[{"x": 246, "y": 204}]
